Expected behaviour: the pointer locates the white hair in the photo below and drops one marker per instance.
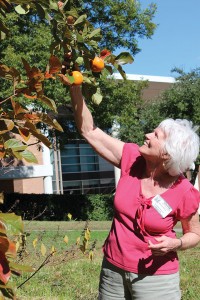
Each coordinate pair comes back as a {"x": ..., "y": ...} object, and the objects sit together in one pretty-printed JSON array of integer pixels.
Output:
[{"x": 182, "y": 144}]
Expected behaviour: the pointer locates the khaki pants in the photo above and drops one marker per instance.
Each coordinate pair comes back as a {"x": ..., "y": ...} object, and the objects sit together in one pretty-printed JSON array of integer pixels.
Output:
[{"x": 117, "y": 284}]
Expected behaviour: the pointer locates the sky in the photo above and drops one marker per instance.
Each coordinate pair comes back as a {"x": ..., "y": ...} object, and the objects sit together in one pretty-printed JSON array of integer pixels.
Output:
[{"x": 175, "y": 43}]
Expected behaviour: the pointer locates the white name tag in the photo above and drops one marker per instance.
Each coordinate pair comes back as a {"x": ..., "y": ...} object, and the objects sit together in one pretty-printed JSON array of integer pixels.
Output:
[{"x": 161, "y": 206}]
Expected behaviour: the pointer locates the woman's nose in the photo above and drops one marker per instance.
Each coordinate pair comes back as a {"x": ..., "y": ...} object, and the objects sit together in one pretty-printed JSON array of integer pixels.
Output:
[{"x": 148, "y": 135}]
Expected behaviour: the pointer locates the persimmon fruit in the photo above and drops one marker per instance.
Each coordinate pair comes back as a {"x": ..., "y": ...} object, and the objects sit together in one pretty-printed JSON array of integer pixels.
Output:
[
  {"x": 97, "y": 64},
  {"x": 78, "y": 77}
]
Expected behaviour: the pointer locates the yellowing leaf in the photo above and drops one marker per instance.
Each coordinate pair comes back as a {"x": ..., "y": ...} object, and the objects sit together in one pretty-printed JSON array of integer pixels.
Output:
[
  {"x": 53, "y": 250},
  {"x": 78, "y": 240},
  {"x": 91, "y": 255},
  {"x": 69, "y": 216},
  {"x": 66, "y": 239},
  {"x": 17, "y": 245},
  {"x": 35, "y": 242},
  {"x": 43, "y": 249},
  {"x": 87, "y": 234}
]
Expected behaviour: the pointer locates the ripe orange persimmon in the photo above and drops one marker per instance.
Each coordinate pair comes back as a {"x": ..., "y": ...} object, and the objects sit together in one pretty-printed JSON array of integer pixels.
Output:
[
  {"x": 78, "y": 77},
  {"x": 97, "y": 64}
]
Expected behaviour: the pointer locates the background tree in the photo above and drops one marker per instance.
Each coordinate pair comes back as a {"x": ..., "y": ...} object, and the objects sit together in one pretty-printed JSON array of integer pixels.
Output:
[
  {"x": 181, "y": 101},
  {"x": 122, "y": 23}
]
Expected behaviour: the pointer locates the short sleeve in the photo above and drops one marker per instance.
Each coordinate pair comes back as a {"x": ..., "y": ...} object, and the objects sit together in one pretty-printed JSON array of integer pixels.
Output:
[
  {"x": 189, "y": 204},
  {"x": 129, "y": 155}
]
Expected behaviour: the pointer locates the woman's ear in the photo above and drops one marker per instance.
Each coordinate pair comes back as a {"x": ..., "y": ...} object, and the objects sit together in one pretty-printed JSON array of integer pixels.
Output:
[{"x": 165, "y": 156}]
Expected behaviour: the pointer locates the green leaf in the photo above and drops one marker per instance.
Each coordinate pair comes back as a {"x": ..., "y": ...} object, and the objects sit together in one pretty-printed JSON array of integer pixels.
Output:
[
  {"x": 42, "y": 11},
  {"x": 121, "y": 71},
  {"x": 95, "y": 34},
  {"x": 16, "y": 267},
  {"x": 80, "y": 20},
  {"x": 28, "y": 156},
  {"x": 17, "y": 155},
  {"x": 22, "y": 9},
  {"x": 124, "y": 58},
  {"x": 53, "y": 5},
  {"x": 15, "y": 145},
  {"x": 13, "y": 223},
  {"x": 80, "y": 60},
  {"x": 97, "y": 97},
  {"x": 3, "y": 28},
  {"x": 49, "y": 102}
]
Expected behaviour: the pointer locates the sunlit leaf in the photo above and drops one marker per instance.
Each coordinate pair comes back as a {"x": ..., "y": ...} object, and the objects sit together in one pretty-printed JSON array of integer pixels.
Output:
[
  {"x": 53, "y": 5},
  {"x": 124, "y": 58},
  {"x": 28, "y": 156},
  {"x": 13, "y": 223},
  {"x": 22, "y": 9},
  {"x": 43, "y": 249},
  {"x": 15, "y": 145}
]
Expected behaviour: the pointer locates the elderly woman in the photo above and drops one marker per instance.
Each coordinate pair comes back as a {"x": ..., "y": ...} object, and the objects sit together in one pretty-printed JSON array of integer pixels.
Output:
[{"x": 140, "y": 253}]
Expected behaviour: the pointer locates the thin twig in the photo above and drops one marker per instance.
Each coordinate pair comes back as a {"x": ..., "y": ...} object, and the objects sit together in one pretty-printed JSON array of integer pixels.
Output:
[
  {"x": 42, "y": 265},
  {"x": 8, "y": 98}
]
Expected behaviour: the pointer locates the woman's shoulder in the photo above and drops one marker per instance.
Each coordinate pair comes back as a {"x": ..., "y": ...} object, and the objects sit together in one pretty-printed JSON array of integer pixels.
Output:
[
  {"x": 129, "y": 155},
  {"x": 189, "y": 198}
]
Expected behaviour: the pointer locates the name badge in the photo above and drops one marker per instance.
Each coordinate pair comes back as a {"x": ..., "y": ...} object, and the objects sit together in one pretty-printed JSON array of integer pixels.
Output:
[{"x": 161, "y": 206}]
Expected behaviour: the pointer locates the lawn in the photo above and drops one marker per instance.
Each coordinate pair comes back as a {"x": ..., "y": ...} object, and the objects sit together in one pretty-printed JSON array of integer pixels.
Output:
[{"x": 70, "y": 274}]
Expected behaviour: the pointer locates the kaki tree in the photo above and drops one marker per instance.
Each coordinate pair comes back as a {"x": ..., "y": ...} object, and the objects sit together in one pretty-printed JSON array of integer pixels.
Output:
[{"x": 74, "y": 55}]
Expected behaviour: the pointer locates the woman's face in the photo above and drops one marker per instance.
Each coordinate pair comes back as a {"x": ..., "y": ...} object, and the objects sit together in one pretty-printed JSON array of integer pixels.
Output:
[{"x": 153, "y": 145}]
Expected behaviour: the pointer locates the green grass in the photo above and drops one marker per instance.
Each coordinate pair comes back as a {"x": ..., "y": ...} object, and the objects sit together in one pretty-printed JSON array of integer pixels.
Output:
[{"x": 71, "y": 275}]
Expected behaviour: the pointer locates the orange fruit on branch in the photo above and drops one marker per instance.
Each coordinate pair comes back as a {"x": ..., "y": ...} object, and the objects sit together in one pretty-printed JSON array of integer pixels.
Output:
[
  {"x": 97, "y": 64},
  {"x": 78, "y": 77}
]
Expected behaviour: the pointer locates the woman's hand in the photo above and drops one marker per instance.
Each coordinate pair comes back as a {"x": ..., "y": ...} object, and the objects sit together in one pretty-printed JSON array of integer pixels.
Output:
[{"x": 164, "y": 245}]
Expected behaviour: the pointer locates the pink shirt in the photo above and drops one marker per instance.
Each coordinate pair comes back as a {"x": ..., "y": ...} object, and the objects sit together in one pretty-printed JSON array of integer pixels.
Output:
[{"x": 136, "y": 221}]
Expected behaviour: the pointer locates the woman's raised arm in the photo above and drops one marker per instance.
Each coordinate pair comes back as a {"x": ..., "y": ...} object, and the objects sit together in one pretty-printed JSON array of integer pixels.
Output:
[{"x": 106, "y": 146}]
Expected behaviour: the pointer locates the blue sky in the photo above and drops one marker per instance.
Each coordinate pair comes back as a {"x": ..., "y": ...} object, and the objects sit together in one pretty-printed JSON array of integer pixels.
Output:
[{"x": 175, "y": 43}]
